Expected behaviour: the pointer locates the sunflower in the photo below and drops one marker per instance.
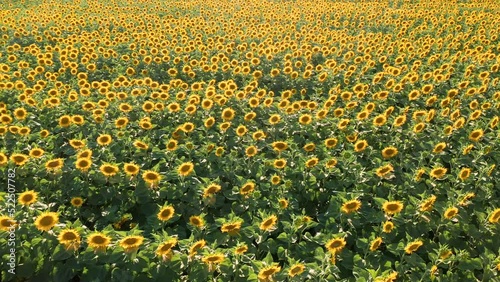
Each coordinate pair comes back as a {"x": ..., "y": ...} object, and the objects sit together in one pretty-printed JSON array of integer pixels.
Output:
[
  {"x": 70, "y": 239},
  {"x": 251, "y": 151},
  {"x": 98, "y": 241},
  {"x": 466, "y": 199},
  {"x": 210, "y": 190},
  {"x": 275, "y": 179},
  {"x": 197, "y": 221},
  {"x": 331, "y": 142},
  {"x": 131, "y": 169},
  {"x": 151, "y": 177},
  {"x": 335, "y": 245},
  {"x": 305, "y": 119},
  {"x": 247, "y": 188},
  {"x": 268, "y": 223},
  {"x": 266, "y": 273},
  {"x": 6, "y": 223},
  {"x": 104, "y": 139},
  {"x": 312, "y": 162},
  {"x": 351, "y": 206},
  {"x": 279, "y": 163},
  {"x": 241, "y": 249},
  {"x": 131, "y": 243},
  {"x": 296, "y": 269},
  {"x": 379, "y": 120},
  {"x": 494, "y": 216},
  {"x": 309, "y": 147},
  {"x": 166, "y": 213},
  {"x": 27, "y": 198},
  {"x": 109, "y": 170},
  {"x": 121, "y": 122},
  {"x": 227, "y": 114},
  {"x": 428, "y": 204},
  {"x": 283, "y": 203},
  {"x": 3, "y": 159},
  {"x": 388, "y": 227},
  {"x": 259, "y": 135},
  {"x": 389, "y": 152},
  {"x": 54, "y": 165},
  {"x": 450, "y": 213},
  {"x": 274, "y": 119},
  {"x": 198, "y": 245},
  {"x": 383, "y": 171},
  {"x": 83, "y": 164},
  {"x": 360, "y": 145},
  {"x": 419, "y": 127},
  {"x": 464, "y": 173},
  {"x": 165, "y": 248},
  {"x": 438, "y": 172},
  {"x": 439, "y": 148},
  {"x": 241, "y": 130},
  {"x": 413, "y": 246},
  {"x": 475, "y": 135},
  {"x": 392, "y": 207},
  {"x": 375, "y": 244},
  {"x": 64, "y": 121},
  {"x": 399, "y": 121},
  {"x": 46, "y": 221},
  {"x": 76, "y": 202},
  {"x": 35, "y": 153},
  {"x": 140, "y": 145},
  {"x": 185, "y": 169},
  {"x": 231, "y": 228},
  {"x": 280, "y": 146},
  {"x": 19, "y": 159},
  {"x": 84, "y": 154},
  {"x": 213, "y": 259}
]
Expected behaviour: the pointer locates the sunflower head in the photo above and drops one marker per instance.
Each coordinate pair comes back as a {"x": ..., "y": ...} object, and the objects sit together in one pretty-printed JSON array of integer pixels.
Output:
[
  {"x": 27, "y": 198},
  {"x": 46, "y": 221}
]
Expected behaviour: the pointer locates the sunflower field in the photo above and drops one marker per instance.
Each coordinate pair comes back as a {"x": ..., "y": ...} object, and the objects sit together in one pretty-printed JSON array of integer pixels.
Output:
[{"x": 249, "y": 140}]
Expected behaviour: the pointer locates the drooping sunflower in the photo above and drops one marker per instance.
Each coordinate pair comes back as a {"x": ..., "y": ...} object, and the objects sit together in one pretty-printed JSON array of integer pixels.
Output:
[
  {"x": 70, "y": 238},
  {"x": 428, "y": 204},
  {"x": 413, "y": 246},
  {"x": 231, "y": 228},
  {"x": 268, "y": 223},
  {"x": 351, "y": 206},
  {"x": 213, "y": 258},
  {"x": 166, "y": 213},
  {"x": 46, "y": 220},
  {"x": 140, "y": 145},
  {"x": 131, "y": 243},
  {"x": 198, "y": 245},
  {"x": 185, "y": 169},
  {"x": 27, "y": 198},
  {"x": 266, "y": 273},
  {"x": 98, "y": 241},
  {"x": 375, "y": 244},
  {"x": 335, "y": 245},
  {"x": 165, "y": 248},
  {"x": 494, "y": 216},
  {"x": 392, "y": 207},
  {"x": 296, "y": 269},
  {"x": 241, "y": 249}
]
